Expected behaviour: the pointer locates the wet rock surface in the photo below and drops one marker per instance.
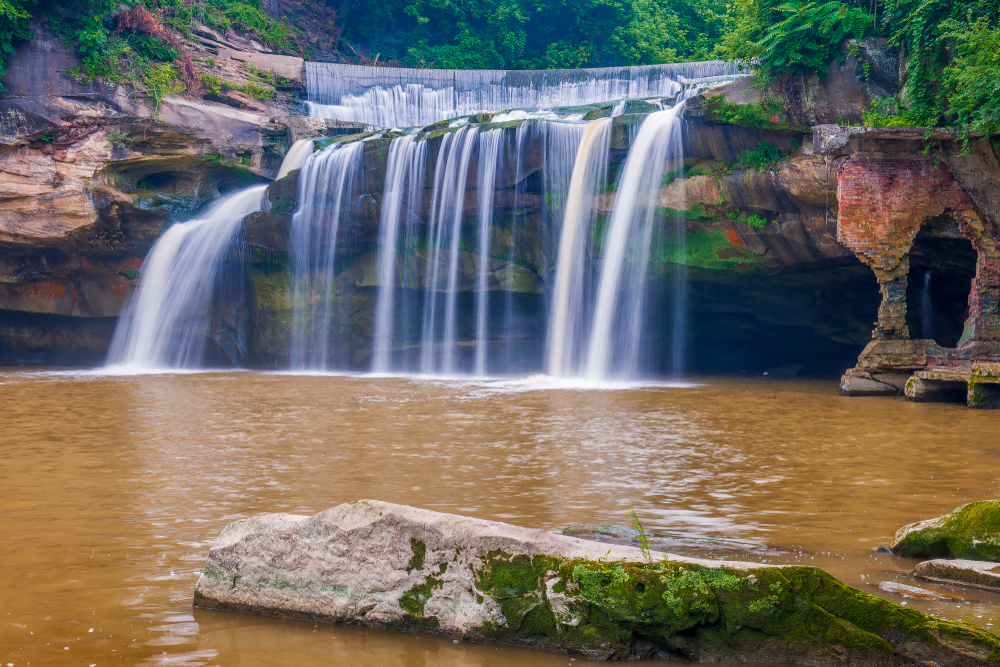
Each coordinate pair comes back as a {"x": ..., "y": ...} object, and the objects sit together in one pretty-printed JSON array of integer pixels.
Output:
[
  {"x": 970, "y": 532},
  {"x": 390, "y": 566},
  {"x": 628, "y": 536},
  {"x": 981, "y": 574}
]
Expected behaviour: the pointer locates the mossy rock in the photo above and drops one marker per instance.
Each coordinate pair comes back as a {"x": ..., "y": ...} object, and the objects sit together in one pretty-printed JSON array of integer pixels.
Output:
[
  {"x": 972, "y": 532},
  {"x": 491, "y": 582}
]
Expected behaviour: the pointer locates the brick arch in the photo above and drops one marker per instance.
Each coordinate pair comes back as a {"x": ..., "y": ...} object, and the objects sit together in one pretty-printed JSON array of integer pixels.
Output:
[{"x": 882, "y": 203}]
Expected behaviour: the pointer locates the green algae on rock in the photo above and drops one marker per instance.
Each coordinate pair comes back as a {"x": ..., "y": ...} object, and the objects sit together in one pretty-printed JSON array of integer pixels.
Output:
[
  {"x": 971, "y": 531},
  {"x": 389, "y": 566}
]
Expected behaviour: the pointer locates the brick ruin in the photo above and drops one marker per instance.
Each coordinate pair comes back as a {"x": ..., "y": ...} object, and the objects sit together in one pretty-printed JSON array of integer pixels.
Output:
[{"x": 889, "y": 188}]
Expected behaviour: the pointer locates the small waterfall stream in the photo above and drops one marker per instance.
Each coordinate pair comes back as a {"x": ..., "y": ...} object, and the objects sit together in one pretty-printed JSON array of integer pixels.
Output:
[
  {"x": 569, "y": 293},
  {"x": 327, "y": 183},
  {"x": 164, "y": 324}
]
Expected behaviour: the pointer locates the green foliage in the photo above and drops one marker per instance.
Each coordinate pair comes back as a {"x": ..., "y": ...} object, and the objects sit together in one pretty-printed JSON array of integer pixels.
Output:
[
  {"x": 118, "y": 139},
  {"x": 801, "y": 38},
  {"x": 972, "y": 81},
  {"x": 535, "y": 34},
  {"x": 762, "y": 116},
  {"x": 760, "y": 158},
  {"x": 14, "y": 16},
  {"x": 885, "y": 112}
]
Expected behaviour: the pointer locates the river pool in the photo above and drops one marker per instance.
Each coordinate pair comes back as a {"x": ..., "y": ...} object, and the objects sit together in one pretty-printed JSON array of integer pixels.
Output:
[{"x": 113, "y": 489}]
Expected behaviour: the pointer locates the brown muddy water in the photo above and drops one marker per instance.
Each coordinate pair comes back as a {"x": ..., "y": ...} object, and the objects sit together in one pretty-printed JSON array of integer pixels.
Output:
[{"x": 112, "y": 490}]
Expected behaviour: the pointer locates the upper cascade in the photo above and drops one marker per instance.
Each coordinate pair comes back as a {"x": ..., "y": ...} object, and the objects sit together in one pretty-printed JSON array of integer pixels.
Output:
[{"x": 402, "y": 97}]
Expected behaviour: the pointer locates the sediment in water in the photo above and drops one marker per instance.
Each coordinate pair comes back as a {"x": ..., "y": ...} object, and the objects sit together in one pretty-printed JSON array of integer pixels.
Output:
[{"x": 390, "y": 566}]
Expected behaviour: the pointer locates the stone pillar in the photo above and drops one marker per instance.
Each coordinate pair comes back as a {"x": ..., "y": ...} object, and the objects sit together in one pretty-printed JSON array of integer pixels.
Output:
[
  {"x": 891, "y": 323},
  {"x": 983, "y": 324}
]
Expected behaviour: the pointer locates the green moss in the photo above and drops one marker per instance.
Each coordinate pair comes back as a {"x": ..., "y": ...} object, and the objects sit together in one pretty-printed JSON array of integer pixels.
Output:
[
  {"x": 415, "y": 599},
  {"x": 763, "y": 115},
  {"x": 417, "y": 559},
  {"x": 971, "y": 531},
  {"x": 703, "y": 249}
]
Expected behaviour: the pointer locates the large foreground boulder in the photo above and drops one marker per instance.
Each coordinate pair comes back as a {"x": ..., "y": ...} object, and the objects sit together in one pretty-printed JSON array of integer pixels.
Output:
[
  {"x": 389, "y": 566},
  {"x": 971, "y": 532}
]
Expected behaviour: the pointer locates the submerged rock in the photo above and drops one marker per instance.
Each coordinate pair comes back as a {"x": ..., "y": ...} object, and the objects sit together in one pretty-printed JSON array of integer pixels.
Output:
[
  {"x": 630, "y": 536},
  {"x": 981, "y": 574},
  {"x": 914, "y": 592},
  {"x": 972, "y": 531},
  {"x": 389, "y": 566}
]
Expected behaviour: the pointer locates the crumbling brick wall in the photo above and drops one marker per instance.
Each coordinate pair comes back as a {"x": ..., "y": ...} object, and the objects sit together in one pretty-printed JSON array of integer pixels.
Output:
[{"x": 883, "y": 201}]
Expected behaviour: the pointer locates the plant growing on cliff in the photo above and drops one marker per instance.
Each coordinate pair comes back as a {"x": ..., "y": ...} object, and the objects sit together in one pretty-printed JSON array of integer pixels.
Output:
[
  {"x": 799, "y": 38},
  {"x": 14, "y": 16},
  {"x": 760, "y": 158},
  {"x": 972, "y": 81},
  {"x": 118, "y": 139}
]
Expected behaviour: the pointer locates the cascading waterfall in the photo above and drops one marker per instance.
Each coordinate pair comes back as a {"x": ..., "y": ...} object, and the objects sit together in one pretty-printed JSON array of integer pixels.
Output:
[
  {"x": 402, "y": 197},
  {"x": 400, "y": 97},
  {"x": 297, "y": 155},
  {"x": 565, "y": 332},
  {"x": 489, "y": 165},
  {"x": 165, "y": 324},
  {"x": 327, "y": 186},
  {"x": 443, "y": 331},
  {"x": 618, "y": 315},
  {"x": 441, "y": 253}
]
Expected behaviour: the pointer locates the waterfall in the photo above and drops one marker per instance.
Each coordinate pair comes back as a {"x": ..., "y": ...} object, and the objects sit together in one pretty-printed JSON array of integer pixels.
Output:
[
  {"x": 403, "y": 97},
  {"x": 618, "y": 315},
  {"x": 165, "y": 324},
  {"x": 328, "y": 186},
  {"x": 402, "y": 196},
  {"x": 489, "y": 165},
  {"x": 438, "y": 341},
  {"x": 297, "y": 155},
  {"x": 926, "y": 309},
  {"x": 569, "y": 294}
]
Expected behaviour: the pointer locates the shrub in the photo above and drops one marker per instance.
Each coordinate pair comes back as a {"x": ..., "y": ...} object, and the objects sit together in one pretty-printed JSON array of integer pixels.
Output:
[
  {"x": 797, "y": 37},
  {"x": 972, "y": 81},
  {"x": 761, "y": 157}
]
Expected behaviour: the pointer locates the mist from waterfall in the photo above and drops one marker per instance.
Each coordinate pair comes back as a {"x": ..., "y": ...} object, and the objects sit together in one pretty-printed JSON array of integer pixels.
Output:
[{"x": 402, "y": 97}]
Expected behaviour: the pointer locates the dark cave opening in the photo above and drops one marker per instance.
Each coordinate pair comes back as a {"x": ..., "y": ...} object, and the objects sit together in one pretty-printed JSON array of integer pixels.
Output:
[{"x": 939, "y": 283}]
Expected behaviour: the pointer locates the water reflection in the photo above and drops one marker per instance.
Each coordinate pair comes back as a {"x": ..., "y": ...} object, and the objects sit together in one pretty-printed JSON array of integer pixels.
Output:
[{"x": 115, "y": 487}]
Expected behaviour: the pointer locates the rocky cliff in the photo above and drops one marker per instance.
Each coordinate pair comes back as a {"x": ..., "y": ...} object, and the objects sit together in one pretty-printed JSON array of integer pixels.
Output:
[
  {"x": 90, "y": 175},
  {"x": 782, "y": 275}
]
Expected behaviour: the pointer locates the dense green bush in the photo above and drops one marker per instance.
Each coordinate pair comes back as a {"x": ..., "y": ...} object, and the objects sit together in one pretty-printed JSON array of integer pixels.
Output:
[
  {"x": 797, "y": 37},
  {"x": 534, "y": 34},
  {"x": 14, "y": 16},
  {"x": 972, "y": 81}
]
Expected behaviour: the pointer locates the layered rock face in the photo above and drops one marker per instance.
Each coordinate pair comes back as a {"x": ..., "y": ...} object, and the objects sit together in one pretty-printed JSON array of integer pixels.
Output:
[
  {"x": 768, "y": 277},
  {"x": 91, "y": 174},
  {"x": 389, "y": 566},
  {"x": 793, "y": 231}
]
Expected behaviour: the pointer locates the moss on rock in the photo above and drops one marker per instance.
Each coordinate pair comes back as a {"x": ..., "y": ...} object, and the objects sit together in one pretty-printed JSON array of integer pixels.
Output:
[
  {"x": 796, "y": 614},
  {"x": 971, "y": 531}
]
